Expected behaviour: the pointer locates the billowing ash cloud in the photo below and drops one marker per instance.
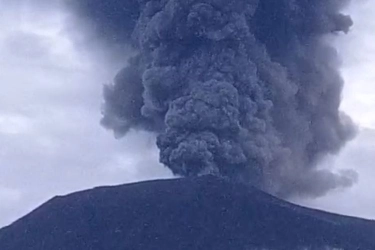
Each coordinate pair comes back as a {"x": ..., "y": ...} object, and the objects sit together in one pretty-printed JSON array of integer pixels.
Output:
[{"x": 245, "y": 89}]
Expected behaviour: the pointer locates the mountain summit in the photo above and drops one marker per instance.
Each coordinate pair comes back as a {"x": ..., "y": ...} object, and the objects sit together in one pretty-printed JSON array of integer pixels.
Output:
[{"x": 191, "y": 213}]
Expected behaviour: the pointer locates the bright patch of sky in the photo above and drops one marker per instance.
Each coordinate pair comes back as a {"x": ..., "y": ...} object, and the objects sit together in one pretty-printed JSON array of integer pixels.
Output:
[
  {"x": 358, "y": 53},
  {"x": 357, "y": 50}
]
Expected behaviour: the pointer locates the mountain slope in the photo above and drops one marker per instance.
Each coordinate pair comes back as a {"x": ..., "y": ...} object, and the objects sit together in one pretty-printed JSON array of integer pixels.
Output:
[{"x": 192, "y": 213}]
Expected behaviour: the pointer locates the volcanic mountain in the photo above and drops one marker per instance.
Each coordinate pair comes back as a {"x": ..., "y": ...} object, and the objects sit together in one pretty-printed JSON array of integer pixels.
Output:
[{"x": 191, "y": 213}]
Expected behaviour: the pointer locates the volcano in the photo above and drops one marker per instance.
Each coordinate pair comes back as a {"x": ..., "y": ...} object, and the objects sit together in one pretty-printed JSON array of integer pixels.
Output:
[{"x": 190, "y": 213}]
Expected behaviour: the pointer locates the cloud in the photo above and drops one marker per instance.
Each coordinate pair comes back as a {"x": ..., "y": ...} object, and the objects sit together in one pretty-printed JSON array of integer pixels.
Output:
[
  {"x": 358, "y": 53},
  {"x": 51, "y": 139},
  {"x": 359, "y": 200}
]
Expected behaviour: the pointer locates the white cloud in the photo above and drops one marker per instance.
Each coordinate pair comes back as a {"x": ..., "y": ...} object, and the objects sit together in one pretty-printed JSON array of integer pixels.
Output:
[
  {"x": 358, "y": 53},
  {"x": 51, "y": 140},
  {"x": 360, "y": 199}
]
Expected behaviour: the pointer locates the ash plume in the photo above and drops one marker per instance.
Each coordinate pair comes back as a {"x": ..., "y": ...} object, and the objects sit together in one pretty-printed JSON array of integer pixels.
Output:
[{"x": 246, "y": 89}]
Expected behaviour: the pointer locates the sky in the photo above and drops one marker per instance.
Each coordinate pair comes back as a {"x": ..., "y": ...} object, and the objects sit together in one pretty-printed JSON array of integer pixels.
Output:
[{"x": 51, "y": 142}]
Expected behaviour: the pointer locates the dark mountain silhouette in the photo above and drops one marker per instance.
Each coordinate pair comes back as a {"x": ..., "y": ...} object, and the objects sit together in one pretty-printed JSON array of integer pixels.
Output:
[{"x": 191, "y": 213}]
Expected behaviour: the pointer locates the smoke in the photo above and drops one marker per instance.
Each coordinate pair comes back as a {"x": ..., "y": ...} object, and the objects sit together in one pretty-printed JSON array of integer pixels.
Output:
[{"x": 245, "y": 89}]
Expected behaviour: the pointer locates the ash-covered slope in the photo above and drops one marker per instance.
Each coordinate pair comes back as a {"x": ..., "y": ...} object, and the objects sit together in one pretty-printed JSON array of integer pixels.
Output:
[{"x": 192, "y": 213}]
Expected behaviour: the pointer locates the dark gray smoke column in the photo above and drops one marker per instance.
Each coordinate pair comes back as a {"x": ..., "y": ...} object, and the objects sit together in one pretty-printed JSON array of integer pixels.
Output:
[{"x": 246, "y": 89}]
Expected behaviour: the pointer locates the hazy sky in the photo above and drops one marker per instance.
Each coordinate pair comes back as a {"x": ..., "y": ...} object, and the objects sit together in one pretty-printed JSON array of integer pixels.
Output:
[{"x": 50, "y": 138}]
